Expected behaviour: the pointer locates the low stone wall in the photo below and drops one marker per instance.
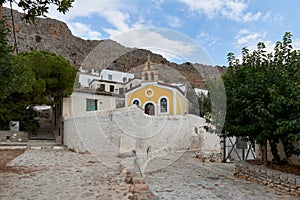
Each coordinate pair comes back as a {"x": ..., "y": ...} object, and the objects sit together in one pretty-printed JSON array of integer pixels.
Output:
[
  {"x": 13, "y": 136},
  {"x": 282, "y": 181}
]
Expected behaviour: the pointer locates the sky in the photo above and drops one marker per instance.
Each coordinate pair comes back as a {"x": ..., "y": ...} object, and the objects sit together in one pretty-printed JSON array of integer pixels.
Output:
[{"x": 215, "y": 27}]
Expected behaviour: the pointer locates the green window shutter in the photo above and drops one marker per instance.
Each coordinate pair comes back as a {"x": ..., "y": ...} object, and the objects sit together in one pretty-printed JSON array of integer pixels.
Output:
[{"x": 91, "y": 105}]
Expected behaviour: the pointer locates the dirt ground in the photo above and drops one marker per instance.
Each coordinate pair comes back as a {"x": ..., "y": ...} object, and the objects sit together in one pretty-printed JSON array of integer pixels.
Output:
[{"x": 6, "y": 155}]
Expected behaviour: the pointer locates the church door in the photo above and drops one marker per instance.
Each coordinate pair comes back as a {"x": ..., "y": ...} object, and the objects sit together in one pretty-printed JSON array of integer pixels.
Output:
[{"x": 150, "y": 109}]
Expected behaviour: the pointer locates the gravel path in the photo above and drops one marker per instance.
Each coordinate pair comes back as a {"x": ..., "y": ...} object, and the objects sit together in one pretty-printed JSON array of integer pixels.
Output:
[{"x": 188, "y": 178}]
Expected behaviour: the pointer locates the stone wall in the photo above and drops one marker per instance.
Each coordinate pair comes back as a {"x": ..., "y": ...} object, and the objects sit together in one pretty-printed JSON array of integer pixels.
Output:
[
  {"x": 13, "y": 136},
  {"x": 282, "y": 181},
  {"x": 127, "y": 130}
]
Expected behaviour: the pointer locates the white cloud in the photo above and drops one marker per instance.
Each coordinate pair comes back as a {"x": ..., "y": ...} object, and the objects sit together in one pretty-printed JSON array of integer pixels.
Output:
[
  {"x": 208, "y": 40},
  {"x": 246, "y": 38},
  {"x": 84, "y": 31},
  {"x": 157, "y": 4},
  {"x": 173, "y": 21},
  {"x": 231, "y": 9},
  {"x": 113, "y": 11},
  {"x": 250, "y": 39},
  {"x": 162, "y": 41}
]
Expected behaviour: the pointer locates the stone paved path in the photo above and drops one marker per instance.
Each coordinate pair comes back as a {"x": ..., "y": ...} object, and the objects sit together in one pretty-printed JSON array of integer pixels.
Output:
[
  {"x": 60, "y": 175},
  {"x": 64, "y": 175},
  {"x": 189, "y": 178}
]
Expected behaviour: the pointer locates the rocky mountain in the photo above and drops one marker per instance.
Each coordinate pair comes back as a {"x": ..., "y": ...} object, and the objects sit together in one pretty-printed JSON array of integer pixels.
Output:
[{"x": 54, "y": 36}]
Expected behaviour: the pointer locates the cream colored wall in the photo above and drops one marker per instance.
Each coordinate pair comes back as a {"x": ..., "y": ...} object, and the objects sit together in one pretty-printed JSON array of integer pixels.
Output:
[{"x": 75, "y": 105}]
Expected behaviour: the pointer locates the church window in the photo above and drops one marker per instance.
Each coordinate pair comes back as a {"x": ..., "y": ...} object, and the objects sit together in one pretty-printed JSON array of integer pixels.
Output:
[
  {"x": 146, "y": 76},
  {"x": 149, "y": 92},
  {"x": 163, "y": 105},
  {"x": 136, "y": 102}
]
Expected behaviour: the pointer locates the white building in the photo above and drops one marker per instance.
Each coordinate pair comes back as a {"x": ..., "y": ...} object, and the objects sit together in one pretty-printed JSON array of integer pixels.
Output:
[
  {"x": 85, "y": 79},
  {"x": 83, "y": 101},
  {"x": 117, "y": 76},
  {"x": 107, "y": 86},
  {"x": 113, "y": 86}
]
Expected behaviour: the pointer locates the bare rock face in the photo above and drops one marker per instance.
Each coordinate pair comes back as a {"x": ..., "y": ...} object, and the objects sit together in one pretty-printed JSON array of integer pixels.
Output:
[
  {"x": 54, "y": 36},
  {"x": 49, "y": 35}
]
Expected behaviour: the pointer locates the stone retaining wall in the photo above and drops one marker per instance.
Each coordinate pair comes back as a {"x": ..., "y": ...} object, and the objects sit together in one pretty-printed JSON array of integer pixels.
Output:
[
  {"x": 282, "y": 181},
  {"x": 128, "y": 130},
  {"x": 13, "y": 136}
]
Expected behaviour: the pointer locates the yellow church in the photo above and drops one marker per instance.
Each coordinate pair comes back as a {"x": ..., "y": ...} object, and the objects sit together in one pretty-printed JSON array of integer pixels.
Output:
[{"x": 155, "y": 97}]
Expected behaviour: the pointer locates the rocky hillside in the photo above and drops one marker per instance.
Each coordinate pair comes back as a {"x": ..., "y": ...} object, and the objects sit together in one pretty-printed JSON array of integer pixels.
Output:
[{"x": 54, "y": 36}]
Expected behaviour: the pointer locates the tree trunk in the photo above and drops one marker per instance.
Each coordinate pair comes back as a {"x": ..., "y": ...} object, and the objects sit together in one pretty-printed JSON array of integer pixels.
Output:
[
  {"x": 1, "y": 6},
  {"x": 264, "y": 153}
]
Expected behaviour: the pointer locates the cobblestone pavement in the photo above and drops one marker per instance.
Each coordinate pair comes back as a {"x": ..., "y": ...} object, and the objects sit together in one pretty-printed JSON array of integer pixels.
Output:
[
  {"x": 62, "y": 174},
  {"x": 189, "y": 178}
]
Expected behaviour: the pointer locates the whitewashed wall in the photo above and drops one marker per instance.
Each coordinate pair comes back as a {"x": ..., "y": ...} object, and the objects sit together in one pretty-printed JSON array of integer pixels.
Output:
[
  {"x": 116, "y": 75},
  {"x": 85, "y": 79},
  {"x": 123, "y": 130},
  {"x": 75, "y": 105}
]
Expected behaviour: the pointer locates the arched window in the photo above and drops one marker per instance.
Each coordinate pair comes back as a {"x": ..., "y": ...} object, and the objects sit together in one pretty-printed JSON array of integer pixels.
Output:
[
  {"x": 124, "y": 79},
  {"x": 136, "y": 102},
  {"x": 163, "y": 105},
  {"x": 146, "y": 76},
  {"x": 152, "y": 76}
]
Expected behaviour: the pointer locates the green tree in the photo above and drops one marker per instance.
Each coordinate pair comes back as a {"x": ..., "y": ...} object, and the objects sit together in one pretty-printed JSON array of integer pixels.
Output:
[
  {"x": 33, "y": 9},
  {"x": 263, "y": 97},
  {"x": 51, "y": 79},
  {"x": 22, "y": 85},
  {"x": 54, "y": 76},
  {"x": 14, "y": 76}
]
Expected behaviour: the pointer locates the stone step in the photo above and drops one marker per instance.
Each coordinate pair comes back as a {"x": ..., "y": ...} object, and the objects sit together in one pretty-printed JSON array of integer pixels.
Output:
[
  {"x": 13, "y": 143},
  {"x": 12, "y": 147},
  {"x": 33, "y": 144},
  {"x": 61, "y": 147},
  {"x": 44, "y": 144}
]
